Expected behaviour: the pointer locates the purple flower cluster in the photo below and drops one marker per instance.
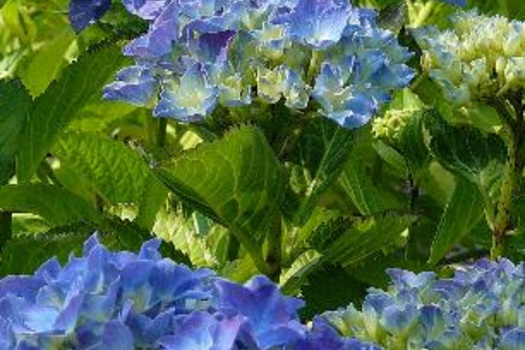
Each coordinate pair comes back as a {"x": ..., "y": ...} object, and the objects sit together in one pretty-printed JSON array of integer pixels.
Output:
[
  {"x": 325, "y": 56},
  {"x": 121, "y": 300}
]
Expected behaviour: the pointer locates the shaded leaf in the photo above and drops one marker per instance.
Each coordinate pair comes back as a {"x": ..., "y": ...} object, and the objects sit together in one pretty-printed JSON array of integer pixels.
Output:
[
  {"x": 14, "y": 106},
  {"x": 464, "y": 149},
  {"x": 324, "y": 148},
  {"x": 462, "y": 214}
]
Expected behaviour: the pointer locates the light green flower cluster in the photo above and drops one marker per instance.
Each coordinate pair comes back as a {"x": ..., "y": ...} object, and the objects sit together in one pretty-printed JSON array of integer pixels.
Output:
[
  {"x": 479, "y": 57},
  {"x": 390, "y": 125}
]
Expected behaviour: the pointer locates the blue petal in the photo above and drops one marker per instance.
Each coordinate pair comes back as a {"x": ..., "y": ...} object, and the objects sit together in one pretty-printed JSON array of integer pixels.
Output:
[
  {"x": 134, "y": 84},
  {"x": 160, "y": 38},
  {"x": 147, "y": 9},
  {"x": 85, "y": 12}
]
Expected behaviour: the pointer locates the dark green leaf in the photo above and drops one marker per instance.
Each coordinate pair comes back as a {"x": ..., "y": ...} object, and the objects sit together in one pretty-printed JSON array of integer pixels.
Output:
[
  {"x": 462, "y": 214},
  {"x": 14, "y": 106},
  {"x": 324, "y": 148},
  {"x": 464, "y": 149}
]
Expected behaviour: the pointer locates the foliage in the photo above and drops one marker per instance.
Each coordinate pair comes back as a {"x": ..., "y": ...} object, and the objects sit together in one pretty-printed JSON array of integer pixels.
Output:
[{"x": 315, "y": 142}]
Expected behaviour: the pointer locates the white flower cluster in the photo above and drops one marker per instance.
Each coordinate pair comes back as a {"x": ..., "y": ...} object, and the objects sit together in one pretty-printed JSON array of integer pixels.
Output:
[{"x": 479, "y": 57}]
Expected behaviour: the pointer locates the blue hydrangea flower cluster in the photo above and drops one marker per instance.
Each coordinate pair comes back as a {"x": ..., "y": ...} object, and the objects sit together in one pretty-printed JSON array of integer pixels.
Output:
[
  {"x": 124, "y": 301},
  {"x": 481, "y": 307},
  {"x": 323, "y": 56}
]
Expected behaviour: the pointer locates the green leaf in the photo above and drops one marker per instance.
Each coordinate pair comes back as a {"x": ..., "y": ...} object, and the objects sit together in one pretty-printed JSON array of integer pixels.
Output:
[
  {"x": 235, "y": 180},
  {"x": 53, "y": 110},
  {"x": 14, "y": 106},
  {"x": 358, "y": 185},
  {"x": 324, "y": 148},
  {"x": 55, "y": 204},
  {"x": 293, "y": 278},
  {"x": 43, "y": 66},
  {"x": 113, "y": 171},
  {"x": 173, "y": 227},
  {"x": 462, "y": 214},
  {"x": 464, "y": 149},
  {"x": 346, "y": 243}
]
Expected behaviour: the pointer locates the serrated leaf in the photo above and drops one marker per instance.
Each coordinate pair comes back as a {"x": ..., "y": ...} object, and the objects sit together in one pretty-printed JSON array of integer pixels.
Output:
[
  {"x": 236, "y": 180},
  {"x": 14, "y": 106},
  {"x": 464, "y": 149},
  {"x": 42, "y": 67},
  {"x": 180, "y": 231},
  {"x": 462, "y": 214},
  {"x": 52, "y": 111},
  {"x": 55, "y": 204},
  {"x": 324, "y": 148},
  {"x": 113, "y": 171}
]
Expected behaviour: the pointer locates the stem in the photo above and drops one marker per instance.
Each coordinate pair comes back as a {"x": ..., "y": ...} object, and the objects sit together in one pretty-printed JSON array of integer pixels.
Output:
[
  {"x": 161, "y": 132},
  {"x": 274, "y": 255},
  {"x": 511, "y": 182},
  {"x": 6, "y": 227}
]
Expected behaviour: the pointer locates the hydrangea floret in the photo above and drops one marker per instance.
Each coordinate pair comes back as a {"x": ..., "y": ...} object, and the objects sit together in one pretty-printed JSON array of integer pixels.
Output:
[
  {"x": 124, "y": 301},
  {"x": 316, "y": 56},
  {"x": 477, "y": 59},
  {"x": 481, "y": 307}
]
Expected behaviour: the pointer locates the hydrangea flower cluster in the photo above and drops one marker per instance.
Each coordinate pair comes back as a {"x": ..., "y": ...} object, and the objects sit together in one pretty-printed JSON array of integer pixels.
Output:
[
  {"x": 481, "y": 307},
  {"x": 476, "y": 59},
  {"x": 124, "y": 301},
  {"x": 315, "y": 55}
]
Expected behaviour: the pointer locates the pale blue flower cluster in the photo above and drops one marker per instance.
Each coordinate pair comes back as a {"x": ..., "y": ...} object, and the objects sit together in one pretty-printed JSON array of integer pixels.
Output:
[
  {"x": 325, "y": 56},
  {"x": 481, "y": 307},
  {"x": 107, "y": 300}
]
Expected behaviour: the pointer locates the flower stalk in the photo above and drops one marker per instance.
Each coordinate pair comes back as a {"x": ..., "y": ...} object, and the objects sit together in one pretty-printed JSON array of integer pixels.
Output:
[{"x": 503, "y": 224}]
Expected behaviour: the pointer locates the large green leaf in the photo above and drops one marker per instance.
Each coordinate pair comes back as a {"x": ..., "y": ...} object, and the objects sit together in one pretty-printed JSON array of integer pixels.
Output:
[
  {"x": 465, "y": 150},
  {"x": 236, "y": 180},
  {"x": 462, "y": 214},
  {"x": 14, "y": 106},
  {"x": 113, "y": 171},
  {"x": 55, "y": 204},
  {"x": 324, "y": 148},
  {"x": 62, "y": 101}
]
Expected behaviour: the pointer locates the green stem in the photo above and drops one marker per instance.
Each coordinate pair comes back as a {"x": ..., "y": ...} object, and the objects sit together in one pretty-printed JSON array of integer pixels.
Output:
[
  {"x": 511, "y": 182},
  {"x": 6, "y": 227},
  {"x": 161, "y": 133},
  {"x": 274, "y": 254}
]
